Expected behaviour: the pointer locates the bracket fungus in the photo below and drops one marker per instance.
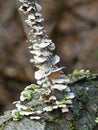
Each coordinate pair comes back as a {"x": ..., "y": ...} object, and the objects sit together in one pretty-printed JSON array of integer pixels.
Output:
[{"x": 50, "y": 78}]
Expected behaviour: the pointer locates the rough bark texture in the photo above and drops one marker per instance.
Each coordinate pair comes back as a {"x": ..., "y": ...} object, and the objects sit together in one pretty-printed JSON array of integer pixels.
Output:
[{"x": 81, "y": 116}]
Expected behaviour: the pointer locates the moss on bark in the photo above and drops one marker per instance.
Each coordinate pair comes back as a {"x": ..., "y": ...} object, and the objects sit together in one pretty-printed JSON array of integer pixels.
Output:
[{"x": 82, "y": 114}]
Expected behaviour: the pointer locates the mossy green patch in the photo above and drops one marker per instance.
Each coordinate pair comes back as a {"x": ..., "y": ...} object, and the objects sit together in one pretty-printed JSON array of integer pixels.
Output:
[{"x": 2, "y": 126}]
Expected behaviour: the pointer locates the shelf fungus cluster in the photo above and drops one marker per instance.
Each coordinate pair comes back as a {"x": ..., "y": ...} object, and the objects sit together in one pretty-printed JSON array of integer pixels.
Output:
[{"x": 49, "y": 77}]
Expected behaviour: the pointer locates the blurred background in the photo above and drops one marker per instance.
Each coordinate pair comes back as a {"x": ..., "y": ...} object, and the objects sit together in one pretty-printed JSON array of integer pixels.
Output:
[{"x": 72, "y": 25}]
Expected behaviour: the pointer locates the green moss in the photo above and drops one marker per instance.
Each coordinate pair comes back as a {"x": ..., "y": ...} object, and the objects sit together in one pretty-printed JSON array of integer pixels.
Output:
[
  {"x": 78, "y": 75},
  {"x": 2, "y": 126},
  {"x": 65, "y": 100},
  {"x": 71, "y": 126},
  {"x": 27, "y": 94},
  {"x": 34, "y": 87}
]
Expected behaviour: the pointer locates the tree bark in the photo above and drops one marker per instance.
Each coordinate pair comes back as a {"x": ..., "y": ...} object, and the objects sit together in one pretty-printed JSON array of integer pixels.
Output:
[{"x": 82, "y": 115}]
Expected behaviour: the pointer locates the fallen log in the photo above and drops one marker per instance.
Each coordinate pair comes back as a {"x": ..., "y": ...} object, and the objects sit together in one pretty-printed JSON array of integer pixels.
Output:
[{"x": 82, "y": 114}]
